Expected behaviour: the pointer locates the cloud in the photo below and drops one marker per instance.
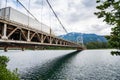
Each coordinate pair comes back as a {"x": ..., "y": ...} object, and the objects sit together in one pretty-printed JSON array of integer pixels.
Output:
[
  {"x": 89, "y": 3},
  {"x": 76, "y": 15},
  {"x": 99, "y": 29},
  {"x": 40, "y": 3}
]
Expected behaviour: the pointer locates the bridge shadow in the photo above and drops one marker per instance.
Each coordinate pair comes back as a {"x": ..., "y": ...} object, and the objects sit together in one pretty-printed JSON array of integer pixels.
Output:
[{"x": 49, "y": 69}]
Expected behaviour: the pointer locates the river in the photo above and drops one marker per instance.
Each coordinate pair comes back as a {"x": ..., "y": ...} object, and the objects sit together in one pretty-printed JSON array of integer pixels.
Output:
[{"x": 64, "y": 64}]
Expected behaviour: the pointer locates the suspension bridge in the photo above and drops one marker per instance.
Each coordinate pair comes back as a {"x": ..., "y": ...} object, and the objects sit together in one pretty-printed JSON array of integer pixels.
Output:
[{"x": 14, "y": 33}]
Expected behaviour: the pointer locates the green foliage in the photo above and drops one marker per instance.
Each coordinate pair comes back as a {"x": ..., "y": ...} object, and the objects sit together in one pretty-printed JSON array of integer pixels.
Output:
[
  {"x": 97, "y": 45},
  {"x": 109, "y": 10},
  {"x": 107, "y": 37},
  {"x": 115, "y": 37},
  {"x": 3, "y": 61},
  {"x": 58, "y": 48},
  {"x": 6, "y": 74}
]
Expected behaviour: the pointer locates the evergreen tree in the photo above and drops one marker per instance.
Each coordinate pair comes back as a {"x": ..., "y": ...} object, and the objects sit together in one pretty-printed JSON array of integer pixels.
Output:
[{"x": 109, "y": 10}]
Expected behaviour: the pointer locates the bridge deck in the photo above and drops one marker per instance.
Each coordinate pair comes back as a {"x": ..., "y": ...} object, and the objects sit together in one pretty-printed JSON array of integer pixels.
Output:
[{"x": 14, "y": 33}]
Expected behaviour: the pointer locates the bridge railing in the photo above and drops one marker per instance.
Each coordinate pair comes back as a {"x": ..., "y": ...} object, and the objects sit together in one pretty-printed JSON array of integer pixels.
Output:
[{"x": 68, "y": 43}]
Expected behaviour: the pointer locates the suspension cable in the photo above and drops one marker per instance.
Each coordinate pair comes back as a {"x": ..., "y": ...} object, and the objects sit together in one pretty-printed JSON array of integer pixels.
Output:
[
  {"x": 28, "y": 10},
  {"x": 28, "y": 13},
  {"x": 6, "y": 3},
  {"x": 41, "y": 14},
  {"x": 0, "y": 4},
  {"x": 56, "y": 16},
  {"x": 37, "y": 19},
  {"x": 5, "y": 9},
  {"x": 50, "y": 20},
  {"x": 16, "y": 4}
]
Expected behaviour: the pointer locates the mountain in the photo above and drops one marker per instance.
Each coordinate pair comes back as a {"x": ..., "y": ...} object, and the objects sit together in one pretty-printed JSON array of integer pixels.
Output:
[{"x": 73, "y": 36}]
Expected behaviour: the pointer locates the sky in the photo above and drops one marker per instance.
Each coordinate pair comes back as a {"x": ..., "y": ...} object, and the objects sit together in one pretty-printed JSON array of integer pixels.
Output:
[{"x": 76, "y": 15}]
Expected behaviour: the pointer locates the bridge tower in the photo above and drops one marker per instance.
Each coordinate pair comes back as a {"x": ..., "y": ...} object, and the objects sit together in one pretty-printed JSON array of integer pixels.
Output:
[{"x": 80, "y": 41}]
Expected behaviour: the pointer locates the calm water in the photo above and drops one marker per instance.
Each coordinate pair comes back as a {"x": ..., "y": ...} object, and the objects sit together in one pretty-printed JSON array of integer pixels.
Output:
[{"x": 65, "y": 64}]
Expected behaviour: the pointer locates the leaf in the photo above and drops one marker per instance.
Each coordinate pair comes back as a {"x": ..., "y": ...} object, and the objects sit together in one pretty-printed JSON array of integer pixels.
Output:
[{"x": 97, "y": 1}]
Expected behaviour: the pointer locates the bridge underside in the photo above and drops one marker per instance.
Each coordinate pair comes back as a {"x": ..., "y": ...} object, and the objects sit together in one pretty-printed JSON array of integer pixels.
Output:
[{"x": 17, "y": 35}]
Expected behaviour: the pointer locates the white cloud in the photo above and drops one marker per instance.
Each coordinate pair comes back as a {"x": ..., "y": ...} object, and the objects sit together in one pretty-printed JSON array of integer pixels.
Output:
[{"x": 76, "y": 15}]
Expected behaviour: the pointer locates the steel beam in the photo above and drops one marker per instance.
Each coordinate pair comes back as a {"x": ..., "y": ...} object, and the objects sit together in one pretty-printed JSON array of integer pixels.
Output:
[
  {"x": 4, "y": 32},
  {"x": 43, "y": 39},
  {"x": 28, "y": 36},
  {"x": 12, "y": 32}
]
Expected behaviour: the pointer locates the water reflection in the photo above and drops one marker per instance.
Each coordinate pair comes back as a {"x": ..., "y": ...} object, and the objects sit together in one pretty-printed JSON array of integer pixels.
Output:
[
  {"x": 48, "y": 69},
  {"x": 117, "y": 53}
]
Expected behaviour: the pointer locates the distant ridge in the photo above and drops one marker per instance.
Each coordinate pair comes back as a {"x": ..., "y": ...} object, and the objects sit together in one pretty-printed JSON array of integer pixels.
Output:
[{"x": 86, "y": 37}]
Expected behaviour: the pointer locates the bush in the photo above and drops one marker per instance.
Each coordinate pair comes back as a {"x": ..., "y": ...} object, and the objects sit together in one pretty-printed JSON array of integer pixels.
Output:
[
  {"x": 3, "y": 61},
  {"x": 6, "y": 74}
]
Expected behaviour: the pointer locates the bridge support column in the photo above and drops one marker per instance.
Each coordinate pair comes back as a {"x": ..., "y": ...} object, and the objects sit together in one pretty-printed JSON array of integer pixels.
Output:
[
  {"x": 42, "y": 39},
  {"x": 5, "y": 49},
  {"x": 60, "y": 42},
  {"x": 56, "y": 41},
  {"x": 79, "y": 49},
  {"x": 23, "y": 48},
  {"x": 51, "y": 40},
  {"x": 28, "y": 36},
  {"x": 4, "y": 32}
]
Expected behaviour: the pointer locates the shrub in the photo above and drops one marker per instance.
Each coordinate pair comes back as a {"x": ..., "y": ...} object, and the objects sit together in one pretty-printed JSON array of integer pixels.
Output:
[{"x": 6, "y": 74}]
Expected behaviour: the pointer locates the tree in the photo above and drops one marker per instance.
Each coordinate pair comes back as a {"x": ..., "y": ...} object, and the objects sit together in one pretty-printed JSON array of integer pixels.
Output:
[
  {"x": 109, "y": 10},
  {"x": 6, "y": 74},
  {"x": 3, "y": 61},
  {"x": 97, "y": 45}
]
